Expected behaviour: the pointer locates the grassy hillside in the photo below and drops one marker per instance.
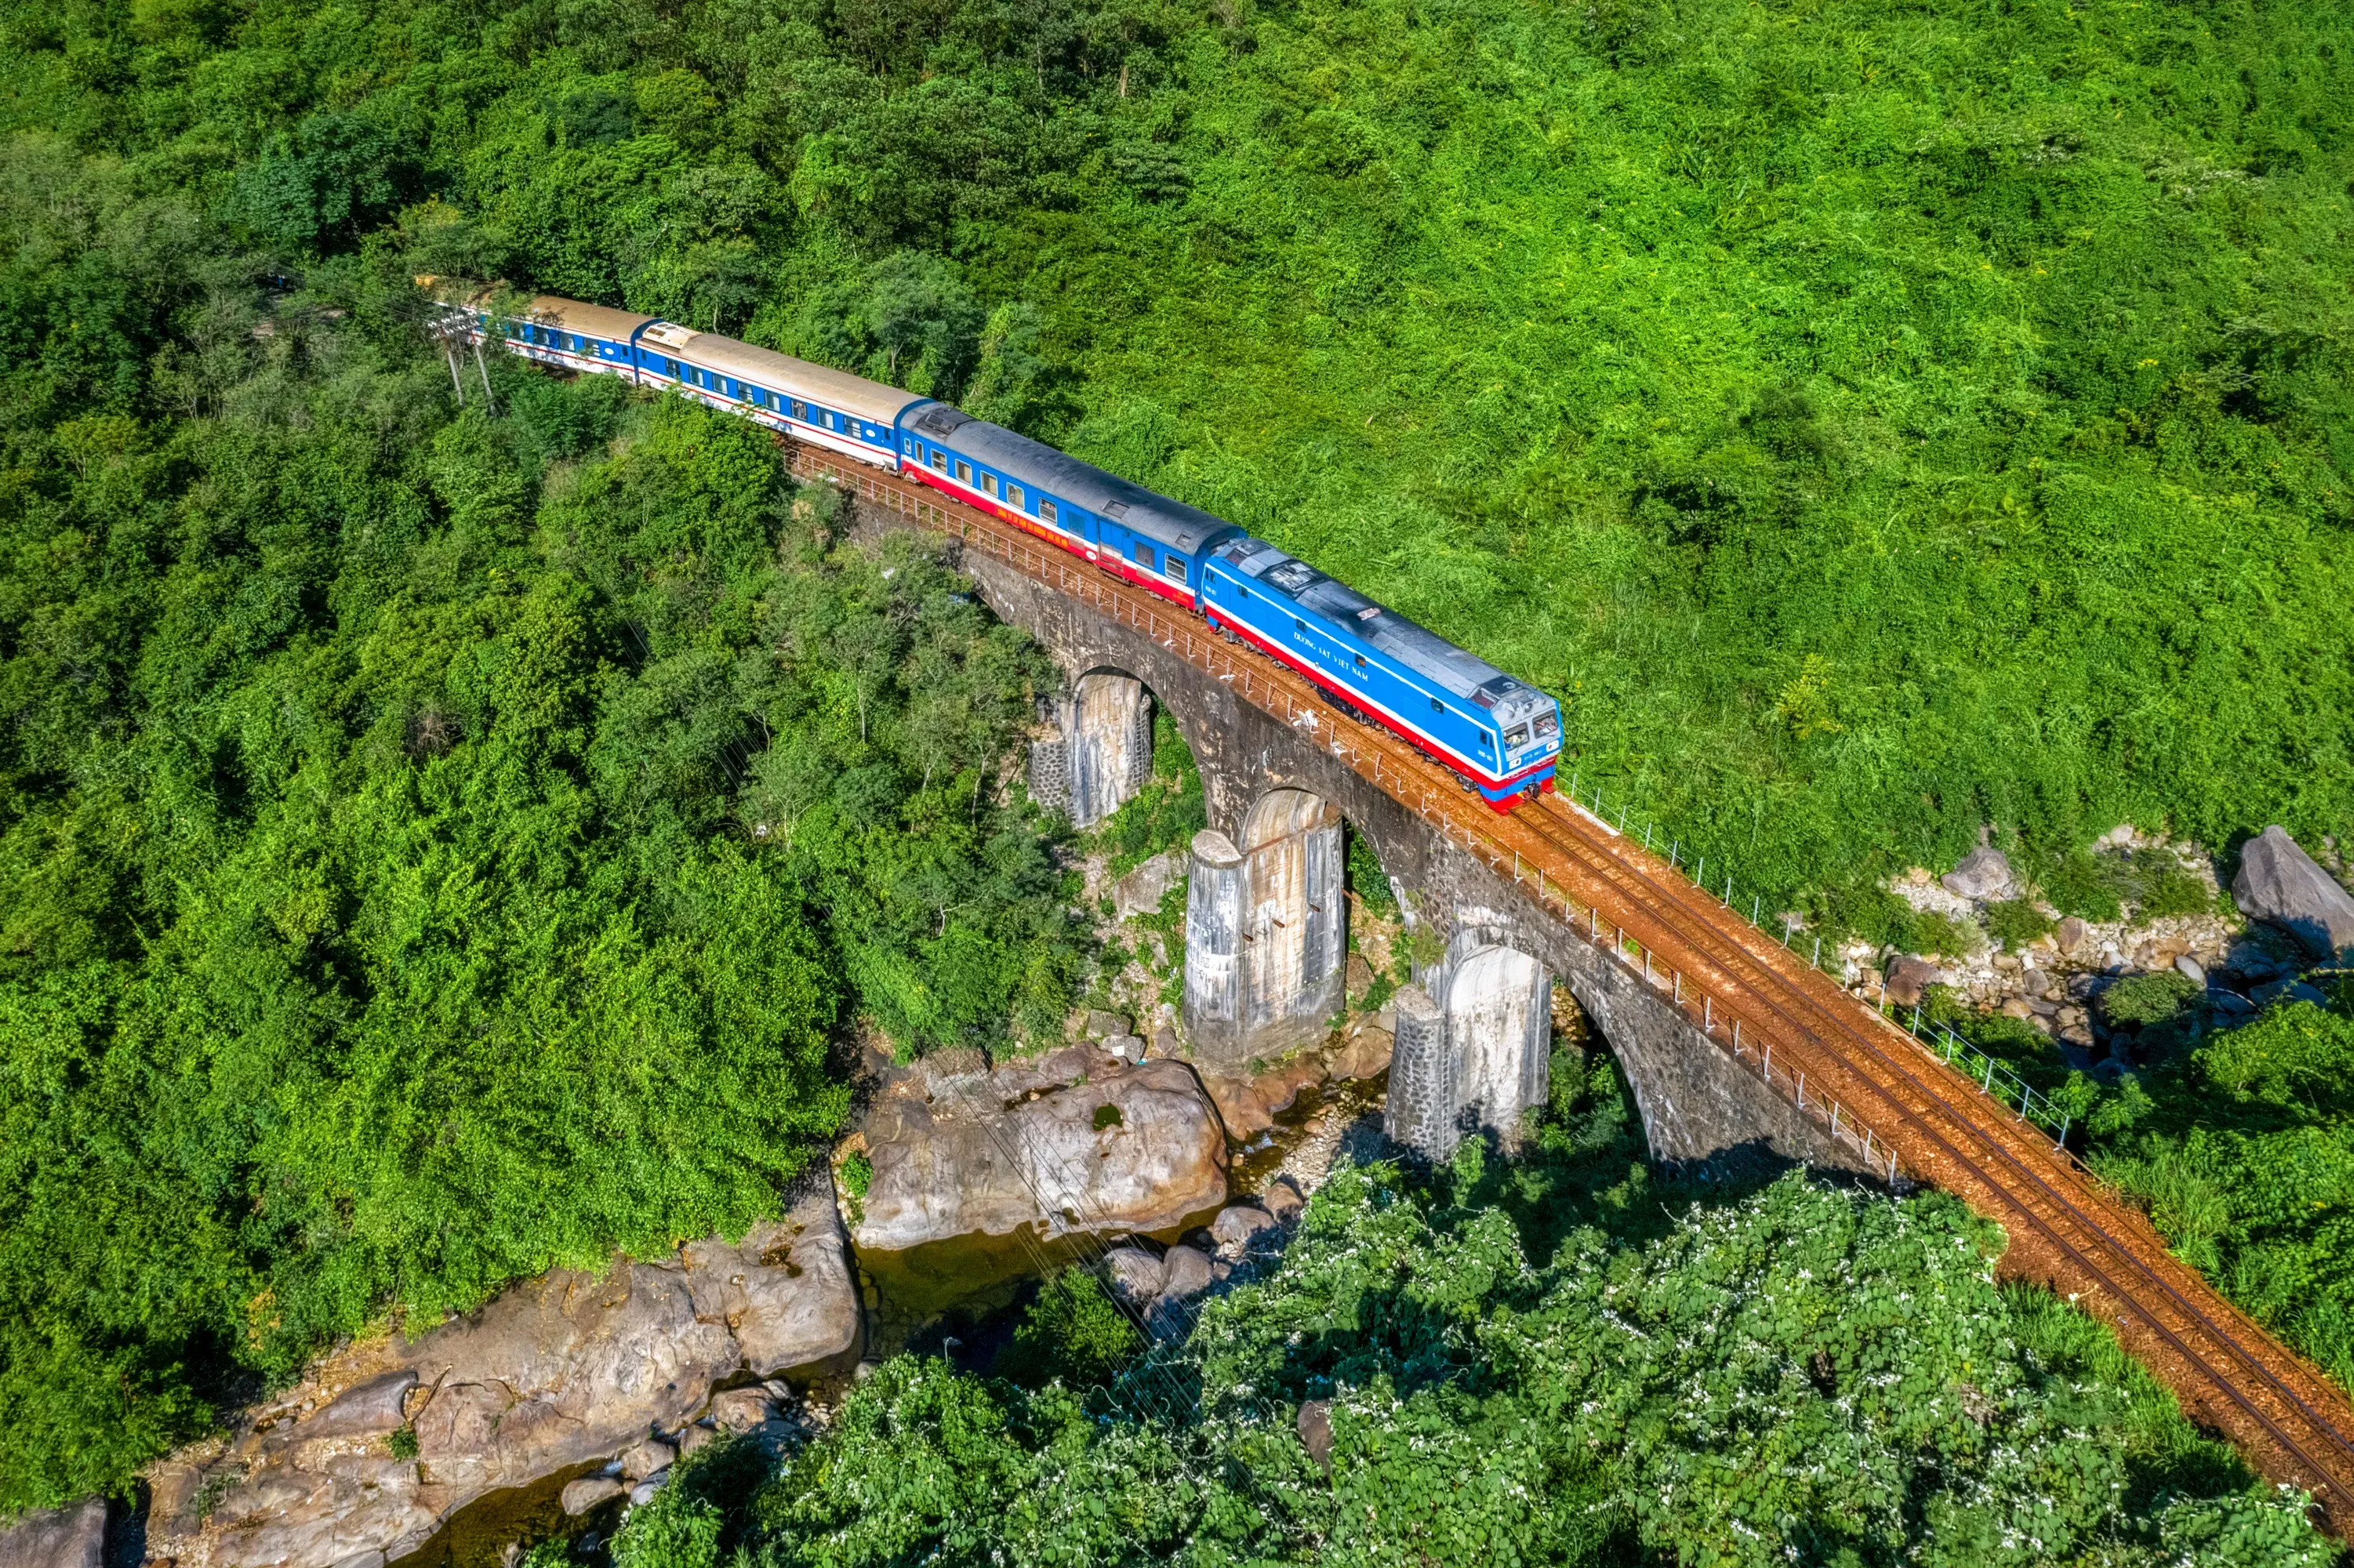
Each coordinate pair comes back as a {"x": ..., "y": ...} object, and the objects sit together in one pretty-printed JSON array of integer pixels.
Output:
[{"x": 1873, "y": 419}]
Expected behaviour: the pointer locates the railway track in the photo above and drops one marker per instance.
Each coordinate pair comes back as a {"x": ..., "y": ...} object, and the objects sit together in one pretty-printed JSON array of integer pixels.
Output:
[{"x": 1904, "y": 1113}]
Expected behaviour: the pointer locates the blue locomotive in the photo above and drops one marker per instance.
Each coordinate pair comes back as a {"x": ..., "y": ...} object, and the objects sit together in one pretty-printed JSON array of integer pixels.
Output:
[{"x": 1499, "y": 736}]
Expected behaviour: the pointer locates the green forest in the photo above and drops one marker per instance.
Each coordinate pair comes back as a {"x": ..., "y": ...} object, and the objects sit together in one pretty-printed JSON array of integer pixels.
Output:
[{"x": 440, "y": 843}]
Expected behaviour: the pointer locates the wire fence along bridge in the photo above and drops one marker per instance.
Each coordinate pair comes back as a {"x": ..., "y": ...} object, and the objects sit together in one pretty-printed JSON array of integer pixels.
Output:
[{"x": 1910, "y": 1100}]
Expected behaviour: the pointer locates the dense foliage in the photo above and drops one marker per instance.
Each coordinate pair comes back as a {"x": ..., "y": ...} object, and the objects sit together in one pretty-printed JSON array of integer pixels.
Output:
[
  {"x": 436, "y": 846},
  {"x": 2243, "y": 1147},
  {"x": 1873, "y": 419},
  {"x": 1525, "y": 1371}
]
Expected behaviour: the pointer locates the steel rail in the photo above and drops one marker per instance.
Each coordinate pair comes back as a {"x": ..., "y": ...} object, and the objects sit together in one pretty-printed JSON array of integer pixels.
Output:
[
  {"x": 2066, "y": 1213},
  {"x": 1749, "y": 984}
]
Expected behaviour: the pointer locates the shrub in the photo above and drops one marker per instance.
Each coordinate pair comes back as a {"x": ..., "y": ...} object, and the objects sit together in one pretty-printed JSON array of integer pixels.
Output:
[
  {"x": 2141, "y": 1001},
  {"x": 1073, "y": 1331},
  {"x": 2016, "y": 923}
]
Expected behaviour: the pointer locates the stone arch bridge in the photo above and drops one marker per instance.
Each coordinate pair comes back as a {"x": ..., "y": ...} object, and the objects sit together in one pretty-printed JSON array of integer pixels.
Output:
[
  {"x": 1267, "y": 912},
  {"x": 1731, "y": 1045}
]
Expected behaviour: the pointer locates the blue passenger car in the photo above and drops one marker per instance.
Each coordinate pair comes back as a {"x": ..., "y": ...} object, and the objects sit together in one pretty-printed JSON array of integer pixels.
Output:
[
  {"x": 1499, "y": 734},
  {"x": 1151, "y": 540}
]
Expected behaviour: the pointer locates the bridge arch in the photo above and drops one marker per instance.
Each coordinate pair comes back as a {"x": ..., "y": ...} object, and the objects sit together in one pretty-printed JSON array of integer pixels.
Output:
[{"x": 1093, "y": 752}]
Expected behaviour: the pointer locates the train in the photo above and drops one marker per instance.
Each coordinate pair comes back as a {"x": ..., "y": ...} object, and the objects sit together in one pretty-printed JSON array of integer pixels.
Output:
[{"x": 1500, "y": 736}]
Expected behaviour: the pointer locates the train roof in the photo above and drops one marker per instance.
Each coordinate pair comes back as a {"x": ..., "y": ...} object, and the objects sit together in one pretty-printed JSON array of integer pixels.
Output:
[
  {"x": 592, "y": 321},
  {"x": 1171, "y": 523},
  {"x": 870, "y": 400},
  {"x": 1416, "y": 646}
]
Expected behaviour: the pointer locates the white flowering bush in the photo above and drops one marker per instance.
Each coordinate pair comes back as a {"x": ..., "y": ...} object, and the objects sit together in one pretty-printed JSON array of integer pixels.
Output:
[{"x": 1798, "y": 1374}]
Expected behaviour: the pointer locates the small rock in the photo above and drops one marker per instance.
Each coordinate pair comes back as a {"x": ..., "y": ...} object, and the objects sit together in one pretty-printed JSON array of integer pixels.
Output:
[
  {"x": 1126, "y": 1047},
  {"x": 741, "y": 1409},
  {"x": 1134, "y": 1275},
  {"x": 647, "y": 1457},
  {"x": 2071, "y": 933},
  {"x": 1366, "y": 1055},
  {"x": 697, "y": 1437},
  {"x": 1239, "y": 1109},
  {"x": 2230, "y": 1003},
  {"x": 1102, "y": 1025},
  {"x": 2109, "y": 1070},
  {"x": 1238, "y": 1227},
  {"x": 2016, "y": 1008},
  {"x": 2006, "y": 961},
  {"x": 1188, "y": 1274},
  {"x": 1359, "y": 978},
  {"x": 1283, "y": 1200},
  {"x": 644, "y": 1492},
  {"x": 2078, "y": 1035},
  {"x": 588, "y": 1492},
  {"x": 1908, "y": 977},
  {"x": 2289, "y": 987},
  {"x": 2279, "y": 883},
  {"x": 1983, "y": 873},
  {"x": 1316, "y": 1432},
  {"x": 2036, "y": 982},
  {"x": 1164, "y": 1043},
  {"x": 2191, "y": 968},
  {"x": 2250, "y": 961},
  {"x": 373, "y": 1406},
  {"x": 1141, "y": 890},
  {"x": 2041, "y": 1008}
]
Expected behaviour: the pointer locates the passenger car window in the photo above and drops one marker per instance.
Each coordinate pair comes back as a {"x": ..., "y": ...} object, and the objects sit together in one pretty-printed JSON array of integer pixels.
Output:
[
  {"x": 964, "y": 473},
  {"x": 1142, "y": 554},
  {"x": 1175, "y": 569},
  {"x": 939, "y": 460},
  {"x": 988, "y": 484},
  {"x": 1013, "y": 495},
  {"x": 1047, "y": 509}
]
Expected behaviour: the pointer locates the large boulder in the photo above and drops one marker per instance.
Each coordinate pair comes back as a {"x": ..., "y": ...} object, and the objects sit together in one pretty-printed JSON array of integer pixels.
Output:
[
  {"x": 57, "y": 1538},
  {"x": 969, "y": 1191},
  {"x": 2279, "y": 883},
  {"x": 1983, "y": 874},
  {"x": 1909, "y": 977},
  {"x": 565, "y": 1369}
]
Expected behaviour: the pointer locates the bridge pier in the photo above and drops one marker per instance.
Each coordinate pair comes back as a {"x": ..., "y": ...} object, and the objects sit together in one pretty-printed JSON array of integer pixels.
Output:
[
  {"x": 1480, "y": 1059},
  {"x": 1267, "y": 931},
  {"x": 1102, "y": 755}
]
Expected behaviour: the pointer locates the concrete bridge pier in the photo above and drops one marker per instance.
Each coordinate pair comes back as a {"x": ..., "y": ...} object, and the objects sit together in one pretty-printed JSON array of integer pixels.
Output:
[
  {"x": 1267, "y": 931},
  {"x": 1474, "y": 1045},
  {"x": 1101, "y": 754}
]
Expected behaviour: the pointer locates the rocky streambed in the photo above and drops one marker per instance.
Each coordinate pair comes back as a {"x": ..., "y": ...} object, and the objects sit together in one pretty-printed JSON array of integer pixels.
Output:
[{"x": 572, "y": 1395}]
